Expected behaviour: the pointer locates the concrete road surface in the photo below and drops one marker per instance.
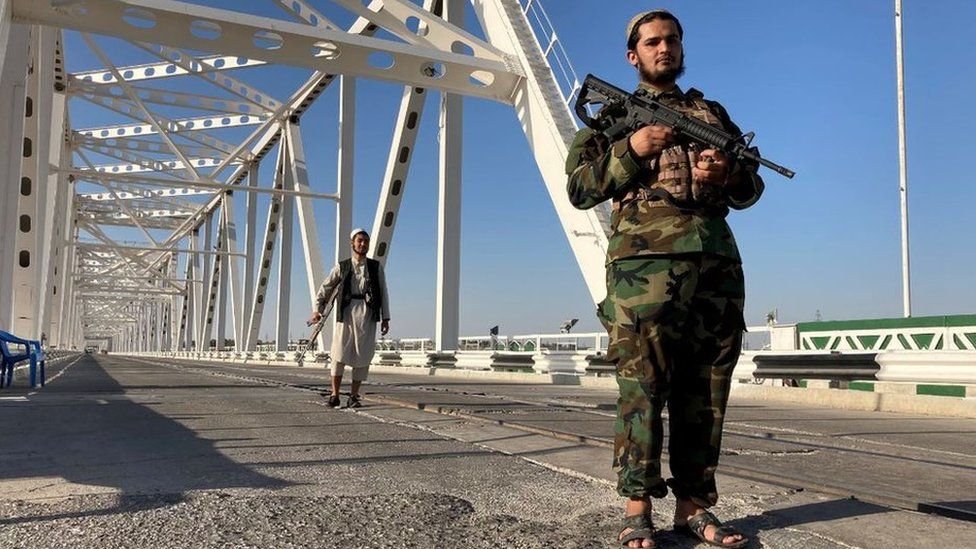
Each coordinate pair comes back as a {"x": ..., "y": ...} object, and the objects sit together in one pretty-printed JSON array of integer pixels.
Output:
[{"x": 120, "y": 452}]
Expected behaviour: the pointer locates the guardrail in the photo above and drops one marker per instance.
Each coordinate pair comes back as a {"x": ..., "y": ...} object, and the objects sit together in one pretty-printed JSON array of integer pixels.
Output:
[
  {"x": 932, "y": 333},
  {"x": 956, "y": 368},
  {"x": 830, "y": 366},
  {"x": 584, "y": 354},
  {"x": 595, "y": 342}
]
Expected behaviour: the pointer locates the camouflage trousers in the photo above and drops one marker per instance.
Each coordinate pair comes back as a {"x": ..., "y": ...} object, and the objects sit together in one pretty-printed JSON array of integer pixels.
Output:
[{"x": 675, "y": 325}]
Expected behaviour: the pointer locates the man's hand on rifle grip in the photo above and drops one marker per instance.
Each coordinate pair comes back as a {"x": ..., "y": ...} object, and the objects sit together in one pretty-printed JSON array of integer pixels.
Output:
[{"x": 649, "y": 141}]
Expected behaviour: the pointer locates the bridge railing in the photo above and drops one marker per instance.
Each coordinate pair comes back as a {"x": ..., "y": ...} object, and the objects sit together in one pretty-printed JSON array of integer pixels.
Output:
[
  {"x": 931, "y": 333},
  {"x": 940, "y": 351},
  {"x": 552, "y": 48},
  {"x": 949, "y": 338},
  {"x": 595, "y": 342}
]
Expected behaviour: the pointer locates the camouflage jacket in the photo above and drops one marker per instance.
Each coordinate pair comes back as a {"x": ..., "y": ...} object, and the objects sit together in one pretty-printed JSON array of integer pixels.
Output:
[{"x": 642, "y": 222}]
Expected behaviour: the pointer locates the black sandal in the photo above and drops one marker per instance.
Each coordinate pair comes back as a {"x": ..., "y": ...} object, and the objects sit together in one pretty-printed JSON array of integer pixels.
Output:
[
  {"x": 641, "y": 528},
  {"x": 696, "y": 529}
]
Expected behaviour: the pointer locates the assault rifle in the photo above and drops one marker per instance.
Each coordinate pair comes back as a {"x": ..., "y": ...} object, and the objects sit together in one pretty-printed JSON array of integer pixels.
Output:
[
  {"x": 624, "y": 113},
  {"x": 329, "y": 304}
]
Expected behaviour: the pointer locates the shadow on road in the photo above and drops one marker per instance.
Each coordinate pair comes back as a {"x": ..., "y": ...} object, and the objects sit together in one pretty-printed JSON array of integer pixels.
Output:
[{"x": 83, "y": 430}]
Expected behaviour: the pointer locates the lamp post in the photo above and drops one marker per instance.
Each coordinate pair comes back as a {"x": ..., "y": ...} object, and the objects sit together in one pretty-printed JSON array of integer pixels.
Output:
[{"x": 903, "y": 162}]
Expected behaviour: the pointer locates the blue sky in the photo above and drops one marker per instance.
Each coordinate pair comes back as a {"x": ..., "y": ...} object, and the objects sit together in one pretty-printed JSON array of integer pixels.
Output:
[{"x": 814, "y": 80}]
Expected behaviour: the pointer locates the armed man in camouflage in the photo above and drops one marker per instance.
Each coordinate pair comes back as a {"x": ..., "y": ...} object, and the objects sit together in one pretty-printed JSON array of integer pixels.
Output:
[{"x": 674, "y": 309}]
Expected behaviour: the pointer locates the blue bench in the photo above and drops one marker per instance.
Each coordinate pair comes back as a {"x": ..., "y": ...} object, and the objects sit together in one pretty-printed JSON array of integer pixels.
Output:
[{"x": 8, "y": 358}]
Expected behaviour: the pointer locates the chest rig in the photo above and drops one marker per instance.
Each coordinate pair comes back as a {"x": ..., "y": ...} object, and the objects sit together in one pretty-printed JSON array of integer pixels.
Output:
[{"x": 666, "y": 180}]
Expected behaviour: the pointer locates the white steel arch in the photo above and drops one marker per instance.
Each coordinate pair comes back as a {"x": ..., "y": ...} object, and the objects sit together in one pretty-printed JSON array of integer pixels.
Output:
[{"x": 170, "y": 159}]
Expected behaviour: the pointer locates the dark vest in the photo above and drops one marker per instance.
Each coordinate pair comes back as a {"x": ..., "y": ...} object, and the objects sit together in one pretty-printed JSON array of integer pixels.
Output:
[{"x": 373, "y": 295}]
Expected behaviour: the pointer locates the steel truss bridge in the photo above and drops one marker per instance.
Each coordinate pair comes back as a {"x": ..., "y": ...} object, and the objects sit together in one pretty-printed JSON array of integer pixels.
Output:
[{"x": 167, "y": 161}]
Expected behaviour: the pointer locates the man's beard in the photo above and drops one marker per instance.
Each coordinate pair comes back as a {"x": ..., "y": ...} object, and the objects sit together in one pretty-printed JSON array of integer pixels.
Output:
[{"x": 661, "y": 77}]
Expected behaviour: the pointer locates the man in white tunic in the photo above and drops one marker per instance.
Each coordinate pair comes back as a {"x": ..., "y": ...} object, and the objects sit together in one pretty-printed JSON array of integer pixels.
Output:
[{"x": 361, "y": 300}]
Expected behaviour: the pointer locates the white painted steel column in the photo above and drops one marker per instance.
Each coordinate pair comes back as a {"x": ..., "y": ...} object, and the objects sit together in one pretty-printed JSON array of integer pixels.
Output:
[
  {"x": 220, "y": 332},
  {"x": 267, "y": 253},
  {"x": 211, "y": 291},
  {"x": 65, "y": 313},
  {"x": 13, "y": 78},
  {"x": 69, "y": 319},
  {"x": 158, "y": 326},
  {"x": 56, "y": 189},
  {"x": 156, "y": 310},
  {"x": 179, "y": 318},
  {"x": 204, "y": 289},
  {"x": 251, "y": 230},
  {"x": 193, "y": 293},
  {"x": 166, "y": 342},
  {"x": 28, "y": 275},
  {"x": 347, "y": 134},
  {"x": 449, "y": 208},
  {"x": 902, "y": 163},
  {"x": 232, "y": 264},
  {"x": 175, "y": 309},
  {"x": 142, "y": 327},
  {"x": 297, "y": 178},
  {"x": 284, "y": 262},
  {"x": 63, "y": 276},
  {"x": 61, "y": 228}
]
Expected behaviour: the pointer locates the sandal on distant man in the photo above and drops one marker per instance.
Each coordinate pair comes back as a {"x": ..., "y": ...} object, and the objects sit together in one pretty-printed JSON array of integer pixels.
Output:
[
  {"x": 696, "y": 528},
  {"x": 641, "y": 528}
]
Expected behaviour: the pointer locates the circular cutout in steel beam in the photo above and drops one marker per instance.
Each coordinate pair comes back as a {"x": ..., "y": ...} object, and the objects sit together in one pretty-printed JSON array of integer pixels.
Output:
[
  {"x": 207, "y": 30},
  {"x": 325, "y": 50},
  {"x": 433, "y": 69},
  {"x": 268, "y": 40},
  {"x": 482, "y": 79},
  {"x": 381, "y": 60},
  {"x": 139, "y": 18}
]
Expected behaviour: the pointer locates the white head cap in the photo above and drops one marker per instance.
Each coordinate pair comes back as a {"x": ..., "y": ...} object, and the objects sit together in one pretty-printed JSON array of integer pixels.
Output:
[{"x": 354, "y": 232}]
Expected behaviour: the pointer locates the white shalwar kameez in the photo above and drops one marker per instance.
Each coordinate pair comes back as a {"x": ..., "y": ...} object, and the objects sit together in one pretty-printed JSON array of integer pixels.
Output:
[{"x": 354, "y": 340}]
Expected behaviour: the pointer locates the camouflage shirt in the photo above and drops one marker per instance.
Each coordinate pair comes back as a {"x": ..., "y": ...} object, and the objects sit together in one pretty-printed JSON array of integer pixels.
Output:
[{"x": 642, "y": 223}]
